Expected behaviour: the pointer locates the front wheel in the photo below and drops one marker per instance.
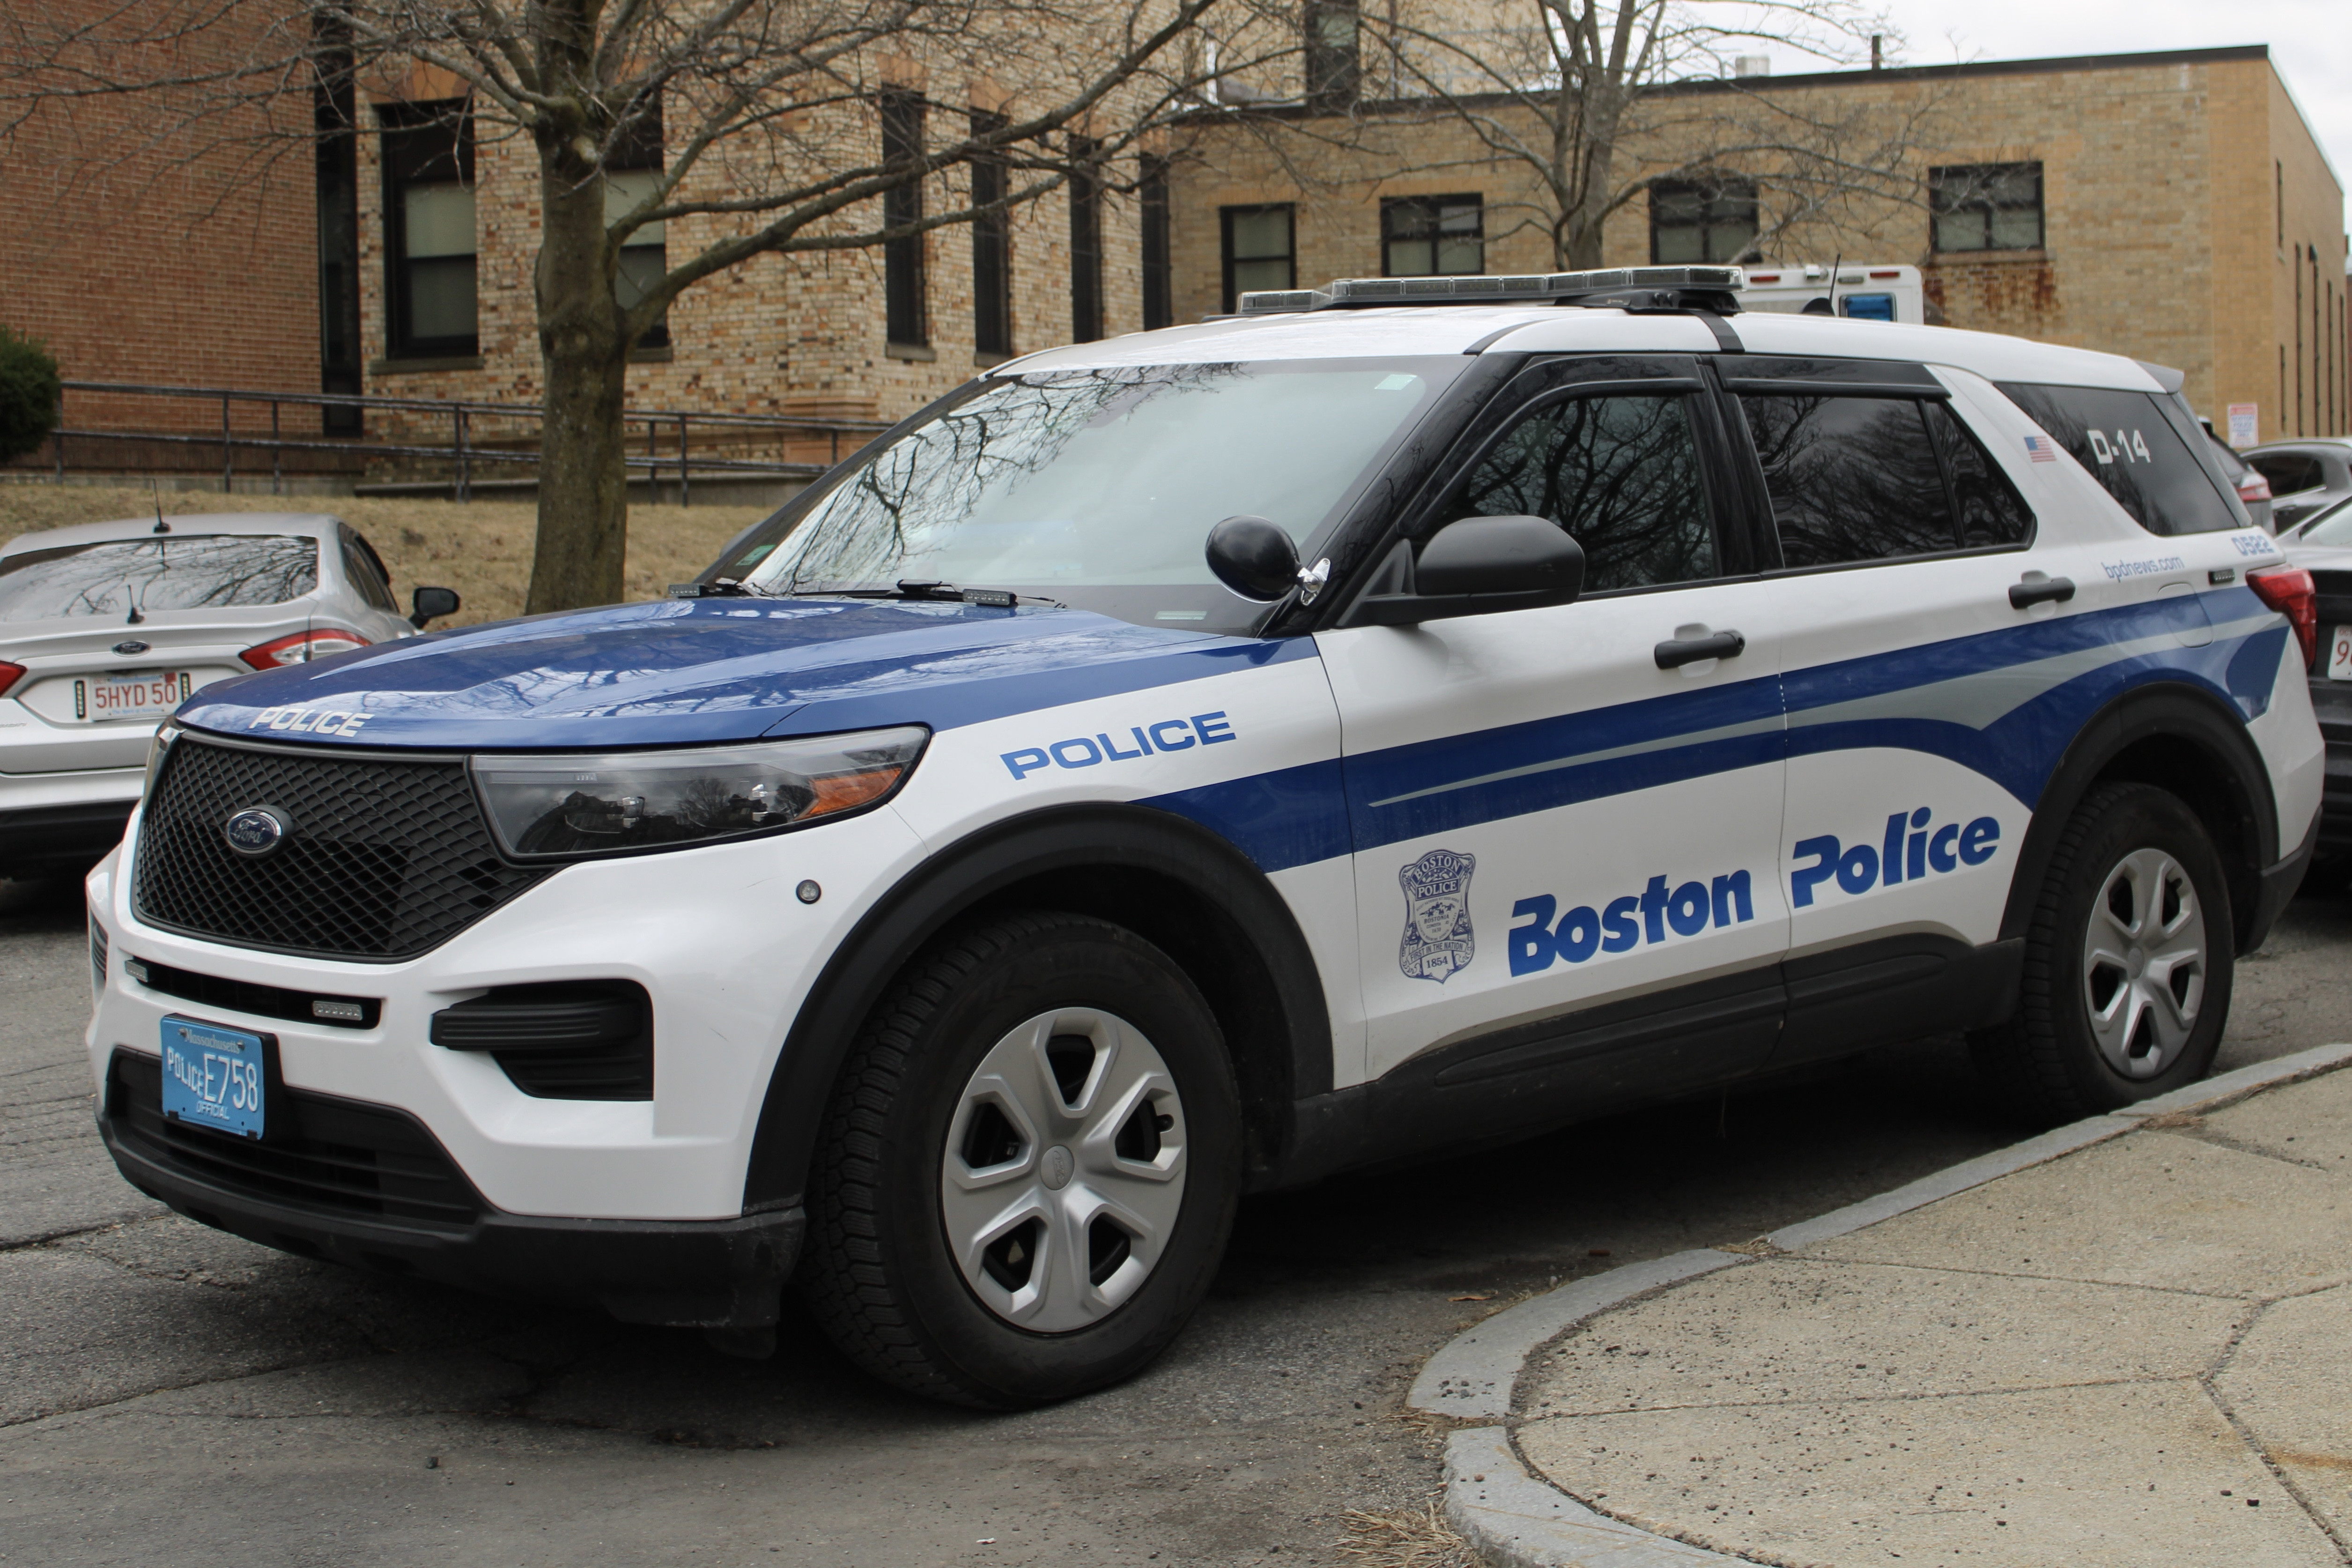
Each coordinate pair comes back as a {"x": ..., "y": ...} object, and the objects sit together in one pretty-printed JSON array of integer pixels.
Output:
[
  {"x": 1029, "y": 1168},
  {"x": 2128, "y": 963}
]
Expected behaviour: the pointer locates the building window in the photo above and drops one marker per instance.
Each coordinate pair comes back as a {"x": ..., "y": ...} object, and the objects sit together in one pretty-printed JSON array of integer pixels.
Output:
[
  {"x": 991, "y": 247},
  {"x": 1701, "y": 220},
  {"x": 428, "y": 216},
  {"x": 1158, "y": 292},
  {"x": 1085, "y": 243},
  {"x": 1426, "y": 236},
  {"x": 1335, "y": 69},
  {"x": 1258, "y": 250},
  {"x": 631, "y": 175},
  {"x": 1985, "y": 206},
  {"x": 339, "y": 242},
  {"x": 903, "y": 306}
]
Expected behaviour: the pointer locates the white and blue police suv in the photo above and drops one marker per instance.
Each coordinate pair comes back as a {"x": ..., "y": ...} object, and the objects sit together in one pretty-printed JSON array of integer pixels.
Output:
[{"x": 1406, "y": 714}]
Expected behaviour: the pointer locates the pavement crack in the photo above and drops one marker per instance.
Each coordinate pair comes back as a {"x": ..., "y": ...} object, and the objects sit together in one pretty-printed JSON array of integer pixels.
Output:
[
  {"x": 2013, "y": 1274},
  {"x": 1920, "y": 1397},
  {"x": 2209, "y": 1381}
]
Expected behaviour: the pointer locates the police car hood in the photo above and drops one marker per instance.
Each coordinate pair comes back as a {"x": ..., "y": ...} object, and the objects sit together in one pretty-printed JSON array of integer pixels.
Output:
[{"x": 682, "y": 672}]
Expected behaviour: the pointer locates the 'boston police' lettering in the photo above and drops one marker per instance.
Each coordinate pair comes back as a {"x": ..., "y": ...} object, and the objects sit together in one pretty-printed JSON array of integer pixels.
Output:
[{"x": 1624, "y": 923}]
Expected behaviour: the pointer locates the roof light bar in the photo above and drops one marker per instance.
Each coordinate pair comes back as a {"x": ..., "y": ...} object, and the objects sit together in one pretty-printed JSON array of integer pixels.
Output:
[{"x": 1542, "y": 287}]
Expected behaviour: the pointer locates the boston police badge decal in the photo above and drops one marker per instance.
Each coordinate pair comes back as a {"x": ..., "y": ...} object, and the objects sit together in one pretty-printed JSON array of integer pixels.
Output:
[{"x": 1437, "y": 938}]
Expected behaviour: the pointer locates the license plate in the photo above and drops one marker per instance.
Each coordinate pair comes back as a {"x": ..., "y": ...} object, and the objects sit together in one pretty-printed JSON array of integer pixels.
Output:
[
  {"x": 127, "y": 696},
  {"x": 213, "y": 1077},
  {"x": 2339, "y": 653}
]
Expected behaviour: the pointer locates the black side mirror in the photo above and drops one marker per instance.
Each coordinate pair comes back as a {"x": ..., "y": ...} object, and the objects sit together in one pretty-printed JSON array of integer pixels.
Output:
[
  {"x": 431, "y": 604},
  {"x": 1254, "y": 557},
  {"x": 1476, "y": 566}
]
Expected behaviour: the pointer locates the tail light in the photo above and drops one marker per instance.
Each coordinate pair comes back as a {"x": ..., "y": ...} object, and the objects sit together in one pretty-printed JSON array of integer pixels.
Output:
[
  {"x": 301, "y": 647},
  {"x": 2253, "y": 487},
  {"x": 9, "y": 674},
  {"x": 2290, "y": 591}
]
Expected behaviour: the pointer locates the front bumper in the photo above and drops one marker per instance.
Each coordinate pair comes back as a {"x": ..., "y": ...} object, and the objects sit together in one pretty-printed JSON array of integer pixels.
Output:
[
  {"x": 726, "y": 1273},
  {"x": 61, "y": 824}
]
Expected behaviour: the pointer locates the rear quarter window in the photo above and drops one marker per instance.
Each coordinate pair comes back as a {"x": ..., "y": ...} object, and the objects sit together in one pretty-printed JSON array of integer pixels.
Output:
[{"x": 2124, "y": 440}]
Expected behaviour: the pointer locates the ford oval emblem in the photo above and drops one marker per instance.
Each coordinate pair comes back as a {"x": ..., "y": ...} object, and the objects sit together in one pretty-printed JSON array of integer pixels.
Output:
[
  {"x": 256, "y": 830},
  {"x": 133, "y": 646}
]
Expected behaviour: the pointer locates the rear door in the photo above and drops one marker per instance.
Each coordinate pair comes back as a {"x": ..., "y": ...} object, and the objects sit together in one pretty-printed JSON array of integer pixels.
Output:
[
  {"x": 1546, "y": 820},
  {"x": 1912, "y": 740}
]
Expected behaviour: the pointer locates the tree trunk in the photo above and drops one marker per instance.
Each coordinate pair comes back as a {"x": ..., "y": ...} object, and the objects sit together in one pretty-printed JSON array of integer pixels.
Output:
[{"x": 583, "y": 499}]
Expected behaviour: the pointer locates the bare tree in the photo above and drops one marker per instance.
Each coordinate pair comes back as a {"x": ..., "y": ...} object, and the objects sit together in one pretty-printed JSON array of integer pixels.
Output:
[
  {"x": 767, "y": 113},
  {"x": 1598, "y": 105}
]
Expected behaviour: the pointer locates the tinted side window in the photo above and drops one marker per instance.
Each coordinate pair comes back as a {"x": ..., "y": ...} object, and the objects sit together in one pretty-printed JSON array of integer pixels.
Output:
[
  {"x": 1621, "y": 474},
  {"x": 2289, "y": 471},
  {"x": 2126, "y": 443},
  {"x": 1991, "y": 512},
  {"x": 367, "y": 574},
  {"x": 1852, "y": 478}
]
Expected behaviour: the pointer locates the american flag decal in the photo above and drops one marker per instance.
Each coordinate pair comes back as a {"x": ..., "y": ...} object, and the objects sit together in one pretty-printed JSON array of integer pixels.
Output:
[{"x": 2038, "y": 447}]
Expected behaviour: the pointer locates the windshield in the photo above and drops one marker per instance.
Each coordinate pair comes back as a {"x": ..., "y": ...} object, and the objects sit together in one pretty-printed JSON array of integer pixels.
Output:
[
  {"x": 176, "y": 572},
  {"x": 1098, "y": 489}
]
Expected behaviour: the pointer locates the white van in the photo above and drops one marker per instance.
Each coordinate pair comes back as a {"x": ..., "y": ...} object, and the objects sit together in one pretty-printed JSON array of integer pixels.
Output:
[{"x": 1865, "y": 293}]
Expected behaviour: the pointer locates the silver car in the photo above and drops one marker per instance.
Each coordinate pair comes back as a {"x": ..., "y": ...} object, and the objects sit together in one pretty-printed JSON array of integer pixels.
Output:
[{"x": 105, "y": 627}]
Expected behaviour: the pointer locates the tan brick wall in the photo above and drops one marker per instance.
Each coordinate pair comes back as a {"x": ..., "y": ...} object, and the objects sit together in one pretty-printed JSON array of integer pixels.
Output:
[
  {"x": 798, "y": 335},
  {"x": 134, "y": 266},
  {"x": 2159, "y": 241}
]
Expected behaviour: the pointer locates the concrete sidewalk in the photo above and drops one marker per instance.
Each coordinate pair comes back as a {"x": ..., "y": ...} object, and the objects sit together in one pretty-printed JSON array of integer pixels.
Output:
[{"x": 2127, "y": 1343}]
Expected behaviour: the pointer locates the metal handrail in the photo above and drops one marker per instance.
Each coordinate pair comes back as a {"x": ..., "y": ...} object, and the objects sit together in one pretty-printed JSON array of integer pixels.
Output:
[{"x": 462, "y": 450}]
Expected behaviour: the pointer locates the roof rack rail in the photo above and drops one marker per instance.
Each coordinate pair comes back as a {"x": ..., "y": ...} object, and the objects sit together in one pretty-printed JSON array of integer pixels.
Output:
[{"x": 1633, "y": 287}]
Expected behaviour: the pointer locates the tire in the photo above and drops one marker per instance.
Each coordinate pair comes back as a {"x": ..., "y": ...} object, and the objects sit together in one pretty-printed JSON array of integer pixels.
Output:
[
  {"x": 2128, "y": 963},
  {"x": 971, "y": 1288}
]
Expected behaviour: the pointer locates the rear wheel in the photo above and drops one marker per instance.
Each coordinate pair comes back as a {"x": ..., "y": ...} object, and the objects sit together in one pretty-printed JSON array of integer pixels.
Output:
[
  {"x": 2128, "y": 962},
  {"x": 1029, "y": 1168}
]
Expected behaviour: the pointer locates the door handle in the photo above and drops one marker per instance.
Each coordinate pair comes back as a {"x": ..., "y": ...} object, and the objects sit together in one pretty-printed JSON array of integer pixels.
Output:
[
  {"x": 1675, "y": 652},
  {"x": 2024, "y": 595}
]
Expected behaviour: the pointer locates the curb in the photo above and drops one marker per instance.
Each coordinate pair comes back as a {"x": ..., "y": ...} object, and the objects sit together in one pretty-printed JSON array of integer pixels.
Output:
[{"x": 1517, "y": 1519}]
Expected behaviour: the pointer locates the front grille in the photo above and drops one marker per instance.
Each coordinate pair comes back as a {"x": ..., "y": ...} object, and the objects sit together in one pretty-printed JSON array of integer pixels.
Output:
[
  {"x": 246, "y": 996},
  {"x": 385, "y": 858},
  {"x": 336, "y": 1156}
]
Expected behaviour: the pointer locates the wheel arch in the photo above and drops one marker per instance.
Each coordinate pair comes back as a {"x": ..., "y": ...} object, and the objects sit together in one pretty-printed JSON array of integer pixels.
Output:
[
  {"x": 1172, "y": 882},
  {"x": 2177, "y": 738}
]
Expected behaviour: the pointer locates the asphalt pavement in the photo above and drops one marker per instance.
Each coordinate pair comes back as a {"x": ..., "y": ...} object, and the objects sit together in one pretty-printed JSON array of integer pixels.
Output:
[{"x": 169, "y": 1393}]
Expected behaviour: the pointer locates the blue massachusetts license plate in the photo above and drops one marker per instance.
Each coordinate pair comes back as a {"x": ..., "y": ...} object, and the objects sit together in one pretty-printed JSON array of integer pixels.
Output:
[{"x": 212, "y": 1076}]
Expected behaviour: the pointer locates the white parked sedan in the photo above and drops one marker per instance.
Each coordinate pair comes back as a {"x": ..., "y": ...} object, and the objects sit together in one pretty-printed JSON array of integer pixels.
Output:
[{"x": 105, "y": 627}]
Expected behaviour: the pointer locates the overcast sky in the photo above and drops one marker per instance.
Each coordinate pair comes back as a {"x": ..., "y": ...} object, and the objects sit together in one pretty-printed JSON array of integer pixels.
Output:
[{"x": 2310, "y": 40}]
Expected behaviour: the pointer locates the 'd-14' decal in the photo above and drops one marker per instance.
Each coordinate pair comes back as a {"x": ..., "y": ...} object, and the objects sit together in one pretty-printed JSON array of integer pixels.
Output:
[{"x": 1909, "y": 851}]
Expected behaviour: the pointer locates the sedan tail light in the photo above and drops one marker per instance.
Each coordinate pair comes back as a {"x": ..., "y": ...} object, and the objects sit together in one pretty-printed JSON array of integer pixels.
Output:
[
  {"x": 2290, "y": 591},
  {"x": 2253, "y": 487},
  {"x": 9, "y": 674},
  {"x": 301, "y": 647}
]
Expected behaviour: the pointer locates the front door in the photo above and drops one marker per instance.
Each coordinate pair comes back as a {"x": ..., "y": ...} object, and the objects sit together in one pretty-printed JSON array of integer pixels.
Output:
[{"x": 1557, "y": 809}]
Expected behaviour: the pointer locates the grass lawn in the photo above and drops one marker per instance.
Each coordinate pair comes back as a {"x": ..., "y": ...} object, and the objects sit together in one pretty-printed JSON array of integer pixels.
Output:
[{"x": 481, "y": 549}]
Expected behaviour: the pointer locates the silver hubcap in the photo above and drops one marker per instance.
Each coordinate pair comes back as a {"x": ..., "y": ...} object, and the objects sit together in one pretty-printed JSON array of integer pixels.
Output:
[
  {"x": 2144, "y": 964},
  {"x": 1064, "y": 1170}
]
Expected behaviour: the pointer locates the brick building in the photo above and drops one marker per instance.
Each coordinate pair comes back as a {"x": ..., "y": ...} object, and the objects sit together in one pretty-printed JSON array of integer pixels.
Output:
[
  {"x": 141, "y": 260},
  {"x": 2174, "y": 206}
]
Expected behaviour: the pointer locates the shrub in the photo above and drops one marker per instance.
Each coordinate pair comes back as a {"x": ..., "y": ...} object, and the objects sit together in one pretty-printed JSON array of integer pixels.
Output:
[{"x": 30, "y": 395}]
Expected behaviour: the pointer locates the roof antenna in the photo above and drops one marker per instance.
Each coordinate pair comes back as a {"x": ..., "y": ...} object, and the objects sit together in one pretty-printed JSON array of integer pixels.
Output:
[
  {"x": 160, "y": 526},
  {"x": 1834, "y": 267}
]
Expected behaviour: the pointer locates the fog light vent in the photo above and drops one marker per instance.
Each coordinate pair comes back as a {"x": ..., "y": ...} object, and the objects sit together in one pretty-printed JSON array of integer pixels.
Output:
[{"x": 572, "y": 1039}]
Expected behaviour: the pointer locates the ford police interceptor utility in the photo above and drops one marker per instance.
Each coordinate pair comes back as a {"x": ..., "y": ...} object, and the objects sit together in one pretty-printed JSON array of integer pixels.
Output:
[{"x": 1396, "y": 718}]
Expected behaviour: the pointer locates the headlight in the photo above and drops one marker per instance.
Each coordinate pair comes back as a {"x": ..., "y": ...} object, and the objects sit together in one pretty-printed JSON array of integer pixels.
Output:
[
  {"x": 574, "y": 805},
  {"x": 157, "y": 749}
]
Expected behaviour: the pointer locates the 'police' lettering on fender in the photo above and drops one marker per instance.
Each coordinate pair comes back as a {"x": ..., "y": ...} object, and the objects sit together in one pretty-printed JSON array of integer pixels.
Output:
[
  {"x": 1090, "y": 751},
  {"x": 1910, "y": 851}
]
